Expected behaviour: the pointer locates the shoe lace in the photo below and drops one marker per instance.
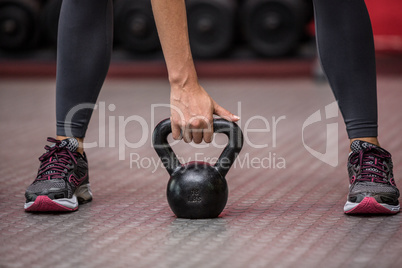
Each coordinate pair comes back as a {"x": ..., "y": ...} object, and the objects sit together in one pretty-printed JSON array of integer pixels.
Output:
[
  {"x": 56, "y": 162},
  {"x": 372, "y": 165}
]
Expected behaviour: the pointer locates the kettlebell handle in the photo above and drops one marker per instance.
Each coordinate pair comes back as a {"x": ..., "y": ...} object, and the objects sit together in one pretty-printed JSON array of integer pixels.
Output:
[{"x": 225, "y": 160}]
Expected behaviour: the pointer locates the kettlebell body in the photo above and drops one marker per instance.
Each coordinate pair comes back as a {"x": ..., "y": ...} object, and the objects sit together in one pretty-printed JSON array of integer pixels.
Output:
[{"x": 198, "y": 190}]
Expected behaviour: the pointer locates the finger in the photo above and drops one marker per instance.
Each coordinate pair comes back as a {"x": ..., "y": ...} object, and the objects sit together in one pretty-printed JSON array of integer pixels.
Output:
[
  {"x": 222, "y": 112},
  {"x": 196, "y": 125},
  {"x": 187, "y": 135},
  {"x": 176, "y": 130},
  {"x": 197, "y": 135},
  {"x": 208, "y": 131},
  {"x": 201, "y": 127},
  {"x": 208, "y": 136}
]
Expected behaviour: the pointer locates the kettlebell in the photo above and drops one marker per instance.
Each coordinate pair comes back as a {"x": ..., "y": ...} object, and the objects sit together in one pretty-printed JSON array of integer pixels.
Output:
[{"x": 198, "y": 190}]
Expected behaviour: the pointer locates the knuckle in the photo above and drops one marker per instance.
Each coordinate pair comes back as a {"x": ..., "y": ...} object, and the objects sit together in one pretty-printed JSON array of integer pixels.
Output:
[
  {"x": 196, "y": 124},
  {"x": 176, "y": 122},
  {"x": 176, "y": 136}
]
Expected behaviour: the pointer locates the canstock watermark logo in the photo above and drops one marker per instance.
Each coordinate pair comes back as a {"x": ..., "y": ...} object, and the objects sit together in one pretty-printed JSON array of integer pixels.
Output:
[{"x": 330, "y": 156}]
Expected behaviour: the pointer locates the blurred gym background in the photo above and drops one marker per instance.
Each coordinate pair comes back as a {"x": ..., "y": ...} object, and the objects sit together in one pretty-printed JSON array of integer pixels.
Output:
[
  {"x": 280, "y": 32},
  {"x": 275, "y": 217}
]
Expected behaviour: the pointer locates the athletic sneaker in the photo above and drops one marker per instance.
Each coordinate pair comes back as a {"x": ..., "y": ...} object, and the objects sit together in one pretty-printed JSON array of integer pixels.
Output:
[
  {"x": 62, "y": 180},
  {"x": 372, "y": 186}
]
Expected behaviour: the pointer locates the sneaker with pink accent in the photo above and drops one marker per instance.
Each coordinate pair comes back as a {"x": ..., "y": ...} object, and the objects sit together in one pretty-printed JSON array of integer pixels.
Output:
[
  {"x": 62, "y": 181},
  {"x": 372, "y": 187}
]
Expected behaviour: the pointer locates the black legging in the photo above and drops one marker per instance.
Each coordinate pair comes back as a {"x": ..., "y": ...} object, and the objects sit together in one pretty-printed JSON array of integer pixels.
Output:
[
  {"x": 346, "y": 49},
  {"x": 345, "y": 46},
  {"x": 83, "y": 57}
]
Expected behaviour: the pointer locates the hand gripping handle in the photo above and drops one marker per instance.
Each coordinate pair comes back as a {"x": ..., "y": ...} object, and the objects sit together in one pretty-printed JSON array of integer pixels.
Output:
[{"x": 226, "y": 159}]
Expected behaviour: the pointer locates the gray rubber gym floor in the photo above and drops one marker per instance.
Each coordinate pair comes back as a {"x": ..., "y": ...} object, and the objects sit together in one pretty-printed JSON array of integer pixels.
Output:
[{"x": 285, "y": 206}]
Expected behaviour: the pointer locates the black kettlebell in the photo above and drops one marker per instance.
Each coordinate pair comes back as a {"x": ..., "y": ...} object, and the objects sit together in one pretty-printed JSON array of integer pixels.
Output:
[{"x": 198, "y": 190}]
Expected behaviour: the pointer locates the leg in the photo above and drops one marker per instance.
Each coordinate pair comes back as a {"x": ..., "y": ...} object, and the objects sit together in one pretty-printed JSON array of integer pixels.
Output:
[
  {"x": 84, "y": 51},
  {"x": 346, "y": 50}
]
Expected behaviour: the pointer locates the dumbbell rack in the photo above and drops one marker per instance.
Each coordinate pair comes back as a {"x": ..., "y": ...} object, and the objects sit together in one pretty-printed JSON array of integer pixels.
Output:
[{"x": 216, "y": 27}]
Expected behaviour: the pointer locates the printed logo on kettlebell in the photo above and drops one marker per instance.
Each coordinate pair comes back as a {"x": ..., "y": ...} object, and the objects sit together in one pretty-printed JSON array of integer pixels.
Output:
[{"x": 194, "y": 196}]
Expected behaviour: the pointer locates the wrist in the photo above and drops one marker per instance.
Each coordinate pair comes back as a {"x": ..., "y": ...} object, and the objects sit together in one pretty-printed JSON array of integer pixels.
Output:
[{"x": 183, "y": 79}]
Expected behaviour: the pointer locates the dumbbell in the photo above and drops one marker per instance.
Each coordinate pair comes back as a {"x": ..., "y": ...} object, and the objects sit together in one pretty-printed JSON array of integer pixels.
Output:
[
  {"x": 19, "y": 24},
  {"x": 50, "y": 21},
  {"x": 134, "y": 26},
  {"x": 211, "y": 26},
  {"x": 274, "y": 27}
]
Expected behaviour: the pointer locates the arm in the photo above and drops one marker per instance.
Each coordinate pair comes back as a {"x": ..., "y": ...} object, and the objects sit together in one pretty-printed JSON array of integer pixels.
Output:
[{"x": 191, "y": 106}]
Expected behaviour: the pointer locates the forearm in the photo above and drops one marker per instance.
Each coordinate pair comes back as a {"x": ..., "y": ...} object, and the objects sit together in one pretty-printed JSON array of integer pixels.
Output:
[
  {"x": 191, "y": 108},
  {"x": 171, "y": 22}
]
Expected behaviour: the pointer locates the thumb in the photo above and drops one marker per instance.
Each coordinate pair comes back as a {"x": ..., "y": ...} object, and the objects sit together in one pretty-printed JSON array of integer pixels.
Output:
[{"x": 222, "y": 112}]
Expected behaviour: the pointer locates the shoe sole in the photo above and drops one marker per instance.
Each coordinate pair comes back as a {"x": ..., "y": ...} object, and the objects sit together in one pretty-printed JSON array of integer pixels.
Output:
[
  {"x": 370, "y": 206},
  {"x": 43, "y": 203}
]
